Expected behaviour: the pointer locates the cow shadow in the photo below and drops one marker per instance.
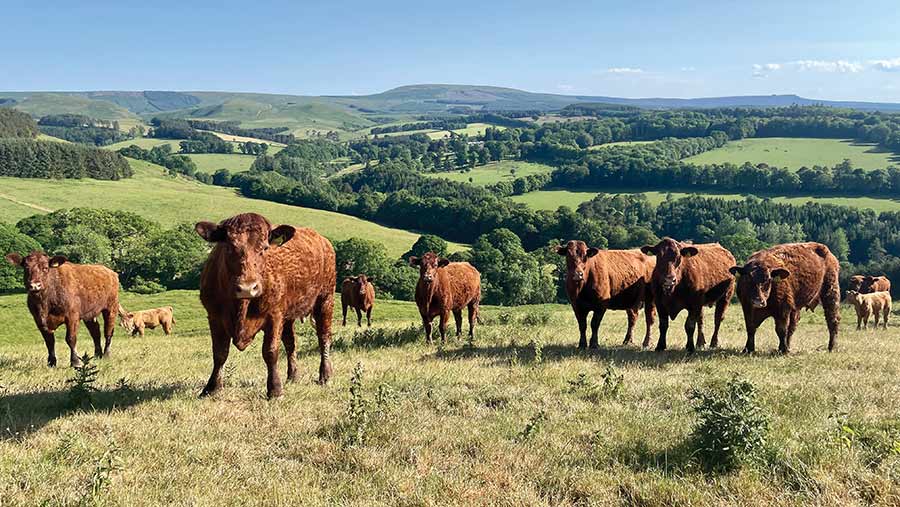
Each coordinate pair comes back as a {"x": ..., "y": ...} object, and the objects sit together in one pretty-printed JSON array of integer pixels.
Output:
[
  {"x": 505, "y": 355},
  {"x": 26, "y": 413}
]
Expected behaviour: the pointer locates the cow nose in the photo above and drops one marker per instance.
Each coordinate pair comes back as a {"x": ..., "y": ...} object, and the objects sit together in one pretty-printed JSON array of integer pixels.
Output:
[
  {"x": 579, "y": 275},
  {"x": 428, "y": 278},
  {"x": 248, "y": 290},
  {"x": 35, "y": 286},
  {"x": 758, "y": 303}
]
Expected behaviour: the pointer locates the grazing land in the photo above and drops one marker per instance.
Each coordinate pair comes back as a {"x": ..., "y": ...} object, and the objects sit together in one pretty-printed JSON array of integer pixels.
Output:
[
  {"x": 471, "y": 130},
  {"x": 619, "y": 143},
  {"x": 795, "y": 153},
  {"x": 552, "y": 199},
  {"x": 147, "y": 143},
  {"x": 520, "y": 418},
  {"x": 170, "y": 200},
  {"x": 494, "y": 172},
  {"x": 211, "y": 162}
]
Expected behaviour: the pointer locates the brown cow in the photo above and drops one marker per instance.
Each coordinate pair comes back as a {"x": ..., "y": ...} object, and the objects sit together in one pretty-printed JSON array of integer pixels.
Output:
[
  {"x": 865, "y": 284},
  {"x": 867, "y": 305},
  {"x": 136, "y": 322},
  {"x": 60, "y": 292},
  {"x": 689, "y": 277},
  {"x": 260, "y": 278},
  {"x": 600, "y": 280},
  {"x": 778, "y": 282},
  {"x": 443, "y": 287},
  {"x": 358, "y": 293}
]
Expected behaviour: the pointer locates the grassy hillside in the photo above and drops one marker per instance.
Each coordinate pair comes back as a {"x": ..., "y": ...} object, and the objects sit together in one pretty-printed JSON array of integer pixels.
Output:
[
  {"x": 797, "y": 152},
  {"x": 493, "y": 424},
  {"x": 211, "y": 162},
  {"x": 494, "y": 172},
  {"x": 552, "y": 199},
  {"x": 41, "y": 104},
  {"x": 147, "y": 143},
  {"x": 170, "y": 200}
]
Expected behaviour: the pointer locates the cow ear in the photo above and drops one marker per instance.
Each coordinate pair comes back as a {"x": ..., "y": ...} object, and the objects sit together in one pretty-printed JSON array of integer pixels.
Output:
[
  {"x": 689, "y": 251},
  {"x": 281, "y": 234},
  {"x": 371, "y": 280},
  {"x": 560, "y": 250},
  {"x": 209, "y": 231},
  {"x": 57, "y": 261},
  {"x": 592, "y": 252},
  {"x": 15, "y": 259},
  {"x": 869, "y": 278},
  {"x": 780, "y": 274},
  {"x": 443, "y": 262},
  {"x": 414, "y": 261},
  {"x": 736, "y": 270},
  {"x": 648, "y": 250}
]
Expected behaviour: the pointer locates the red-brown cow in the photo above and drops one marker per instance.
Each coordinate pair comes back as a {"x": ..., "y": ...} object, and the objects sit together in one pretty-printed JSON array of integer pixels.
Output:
[
  {"x": 446, "y": 287},
  {"x": 689, "y": 277},
  {"x": 60, "y": 292},
  {"x": 600, "y": 280},
  {"x": 865, "y": 284},
  {"x": 778, "y": 282},
  {"x": 260, "y": 278},
  {"x": 358, "y": 293}
]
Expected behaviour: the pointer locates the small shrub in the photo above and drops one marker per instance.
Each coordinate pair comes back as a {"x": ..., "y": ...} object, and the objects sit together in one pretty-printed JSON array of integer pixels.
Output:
[
  {"x": 612, "y": 381},
  {"x": 141, "y": 286},
  {"x": 731, "y": 427},
  {"x": 105, "y": 466},
  {"x": 81, "y": 389},
  {"x": 504, "y": 318},
  {"x": 535, "y": 319},
  {"x": 534, "y": 425},
  {"x": 357, "y": 409},
  {"x": 537, "y": 350},
  {"x": 612, "y": 384}
]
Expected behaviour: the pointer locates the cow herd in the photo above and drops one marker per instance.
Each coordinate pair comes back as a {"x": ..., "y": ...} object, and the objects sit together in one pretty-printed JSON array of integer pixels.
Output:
[{"x": 259, "y": 277}]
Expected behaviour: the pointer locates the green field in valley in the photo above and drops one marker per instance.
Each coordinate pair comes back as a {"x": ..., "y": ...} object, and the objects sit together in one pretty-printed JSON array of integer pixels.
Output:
[
  {"x": 493, "y": 172},
  {"x": 147, "y": 143},
  {"x": 170, "y": 200},
  {"x": 552, "y": 199},
  {"x": 795, "y": 153},
  {"x": 471, "y": 130},
  {"x": 619, "y": 143},
  {"x": 211, "y": 162},
  {"x": 520, "y": 417}
]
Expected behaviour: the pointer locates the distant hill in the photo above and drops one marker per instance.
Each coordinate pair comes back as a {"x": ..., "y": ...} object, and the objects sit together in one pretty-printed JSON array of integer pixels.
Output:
[{"x": 346, "y": 113}]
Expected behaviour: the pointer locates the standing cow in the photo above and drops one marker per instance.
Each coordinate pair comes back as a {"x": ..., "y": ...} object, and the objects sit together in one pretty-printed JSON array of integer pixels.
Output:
[
  {"x": 60, "y": 292},
  {"x": 865, "y": 284},
  {"x": 358, "y": 292},
  {"x": 600, "y": 280},
  {"x": 877, "y": 304},
  {"x": 689, "y": 277},
  {"x": 778, "y": 282},
  {"x": 443, "y": 287},
  {"x": 263, "y": 278}
]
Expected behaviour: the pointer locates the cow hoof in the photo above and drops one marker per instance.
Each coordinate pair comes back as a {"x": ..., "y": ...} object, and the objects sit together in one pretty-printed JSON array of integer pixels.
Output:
[
  {"x": 77, "y": 364},
  {"x": 274, "y": 395},
  {"x": 749, "y": 352},
  {"x": 51, "y": 362}
]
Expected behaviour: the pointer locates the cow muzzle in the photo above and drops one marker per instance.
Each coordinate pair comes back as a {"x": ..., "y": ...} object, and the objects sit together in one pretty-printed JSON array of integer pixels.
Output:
[
  {"x": 248, "y": 290},
  {"x": 428, "y": 278},
  {"x": 578, "y": 276},
  {"x": 668, "y": 285},
  {"x": 35, "y": 287},
  {"x": 758, "y": 303}
]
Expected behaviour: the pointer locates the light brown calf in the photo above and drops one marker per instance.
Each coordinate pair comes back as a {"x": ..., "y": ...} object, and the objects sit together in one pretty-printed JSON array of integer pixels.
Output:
[
  {"x": 875, "y": 304},
  {"x": 136, "y": 322}
]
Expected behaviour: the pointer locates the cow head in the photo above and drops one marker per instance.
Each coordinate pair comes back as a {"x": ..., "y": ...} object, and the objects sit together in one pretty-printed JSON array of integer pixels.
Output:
[
  {"x": 37, "y": 266},
  {"x": 759, "y": 280},
  {"x": 359, "y": 283},
  {"x": 852, "y": 296},
  {"x": 856, "y": 282},
  {"x": 868, "y": 284},
  {"x": 428, "y": 265},
  {"x": 670, "y": 255},
  {"x": 246, "y": 239},
  {"x": 127, "y": 321},
  {"x": 577, "y": 254}
]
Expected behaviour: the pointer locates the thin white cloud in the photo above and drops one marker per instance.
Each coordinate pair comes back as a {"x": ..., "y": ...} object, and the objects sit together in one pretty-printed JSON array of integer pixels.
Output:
[
  {"x": 828, "y": 66},
  {"x": 688, "y": 69},
  {"x": 841, "y": 66},
  {"x": 624, "y": 70},
  {"x": 891, "y": 65},
  {"x": 565, "y": 87}
]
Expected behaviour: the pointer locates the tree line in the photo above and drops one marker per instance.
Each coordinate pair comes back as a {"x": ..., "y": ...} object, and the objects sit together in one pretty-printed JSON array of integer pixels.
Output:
[
  {"x": 28, "y": 158},
  {"x": 274, "y": 134},
  {"x": 16, "y": 124}
]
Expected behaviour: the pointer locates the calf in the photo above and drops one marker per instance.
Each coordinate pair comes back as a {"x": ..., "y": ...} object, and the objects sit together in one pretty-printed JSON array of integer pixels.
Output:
[
  {"x": 446, "y": 287},
  {"x": 778, "y": 282},
  {"x": 689, "y": 277},
  {"x": 600, "y": 280},
  {"x": 60, "y": 292},
  {"x": 358, "y": 293},
  {"x": 873, "y": 303},
  {"x": 865, "y": 284},
  {"x": 263, "y": 278},
  {"x": 136, "y": 322}
]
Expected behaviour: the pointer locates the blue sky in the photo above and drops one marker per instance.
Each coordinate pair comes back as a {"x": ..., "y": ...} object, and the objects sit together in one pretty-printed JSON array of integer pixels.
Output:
[{"x": 825, "y": 49}]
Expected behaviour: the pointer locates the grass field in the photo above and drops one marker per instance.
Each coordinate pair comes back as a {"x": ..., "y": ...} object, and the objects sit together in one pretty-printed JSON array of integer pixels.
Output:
[
  {"x": 618, "y": 143},
  {"x": 471, "y": 130},
  {"x": 505, "y": 422},
  {"x": 147, "y": 143},
  {"x": 795, "y": 153},
  {"x": 169, "y": 200},
  {"x": 494, "y": 172},
  {"x": 212, "y": 162}
]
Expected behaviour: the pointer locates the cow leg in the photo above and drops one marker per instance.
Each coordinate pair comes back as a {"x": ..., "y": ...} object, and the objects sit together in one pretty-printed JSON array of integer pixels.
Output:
[
  {"x": 701, "y": 338},
  {"x": 632, "y": 314},
  {"x": 290, "y": 349},
  {"x": 649, "y": 313},
  {"x": 344, "y": 312},
  {"x": 887, "y": 311},
  {"x": 94, "y": 329},
  {"x": 581, "y": 317},
  {"x": 595, "y": 327},
  {"x": 750, "y": 325},
  {"x": 71, "y": 340},
  {"x": 109, "y": 327},
  {"x": 358, "y": 317},
  {"x": 689, "y": 324},
  {"x": 858, "y": 321},
  {"x": 167, "y": 327},
  {"x": 831, "y": 303},
  {"x": 663, "y": 328},
  {"x": 426, "y": 323},
  {"x": 781, "y": 329},
  {"x": 220, "y": 348},
  {"x": 270, "y": 349},
  {"x": 877, "y": 318},
  {"x": 473, "y": 316},
  {"x": 457, "y": 318},
  {"x": 369, "y": 317},
  {"x": 50, "y": 342},
  {"x": 442, "y": 325},
  {"x": 719, "y": 316},
  {"x": 323, "y": 312}
]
